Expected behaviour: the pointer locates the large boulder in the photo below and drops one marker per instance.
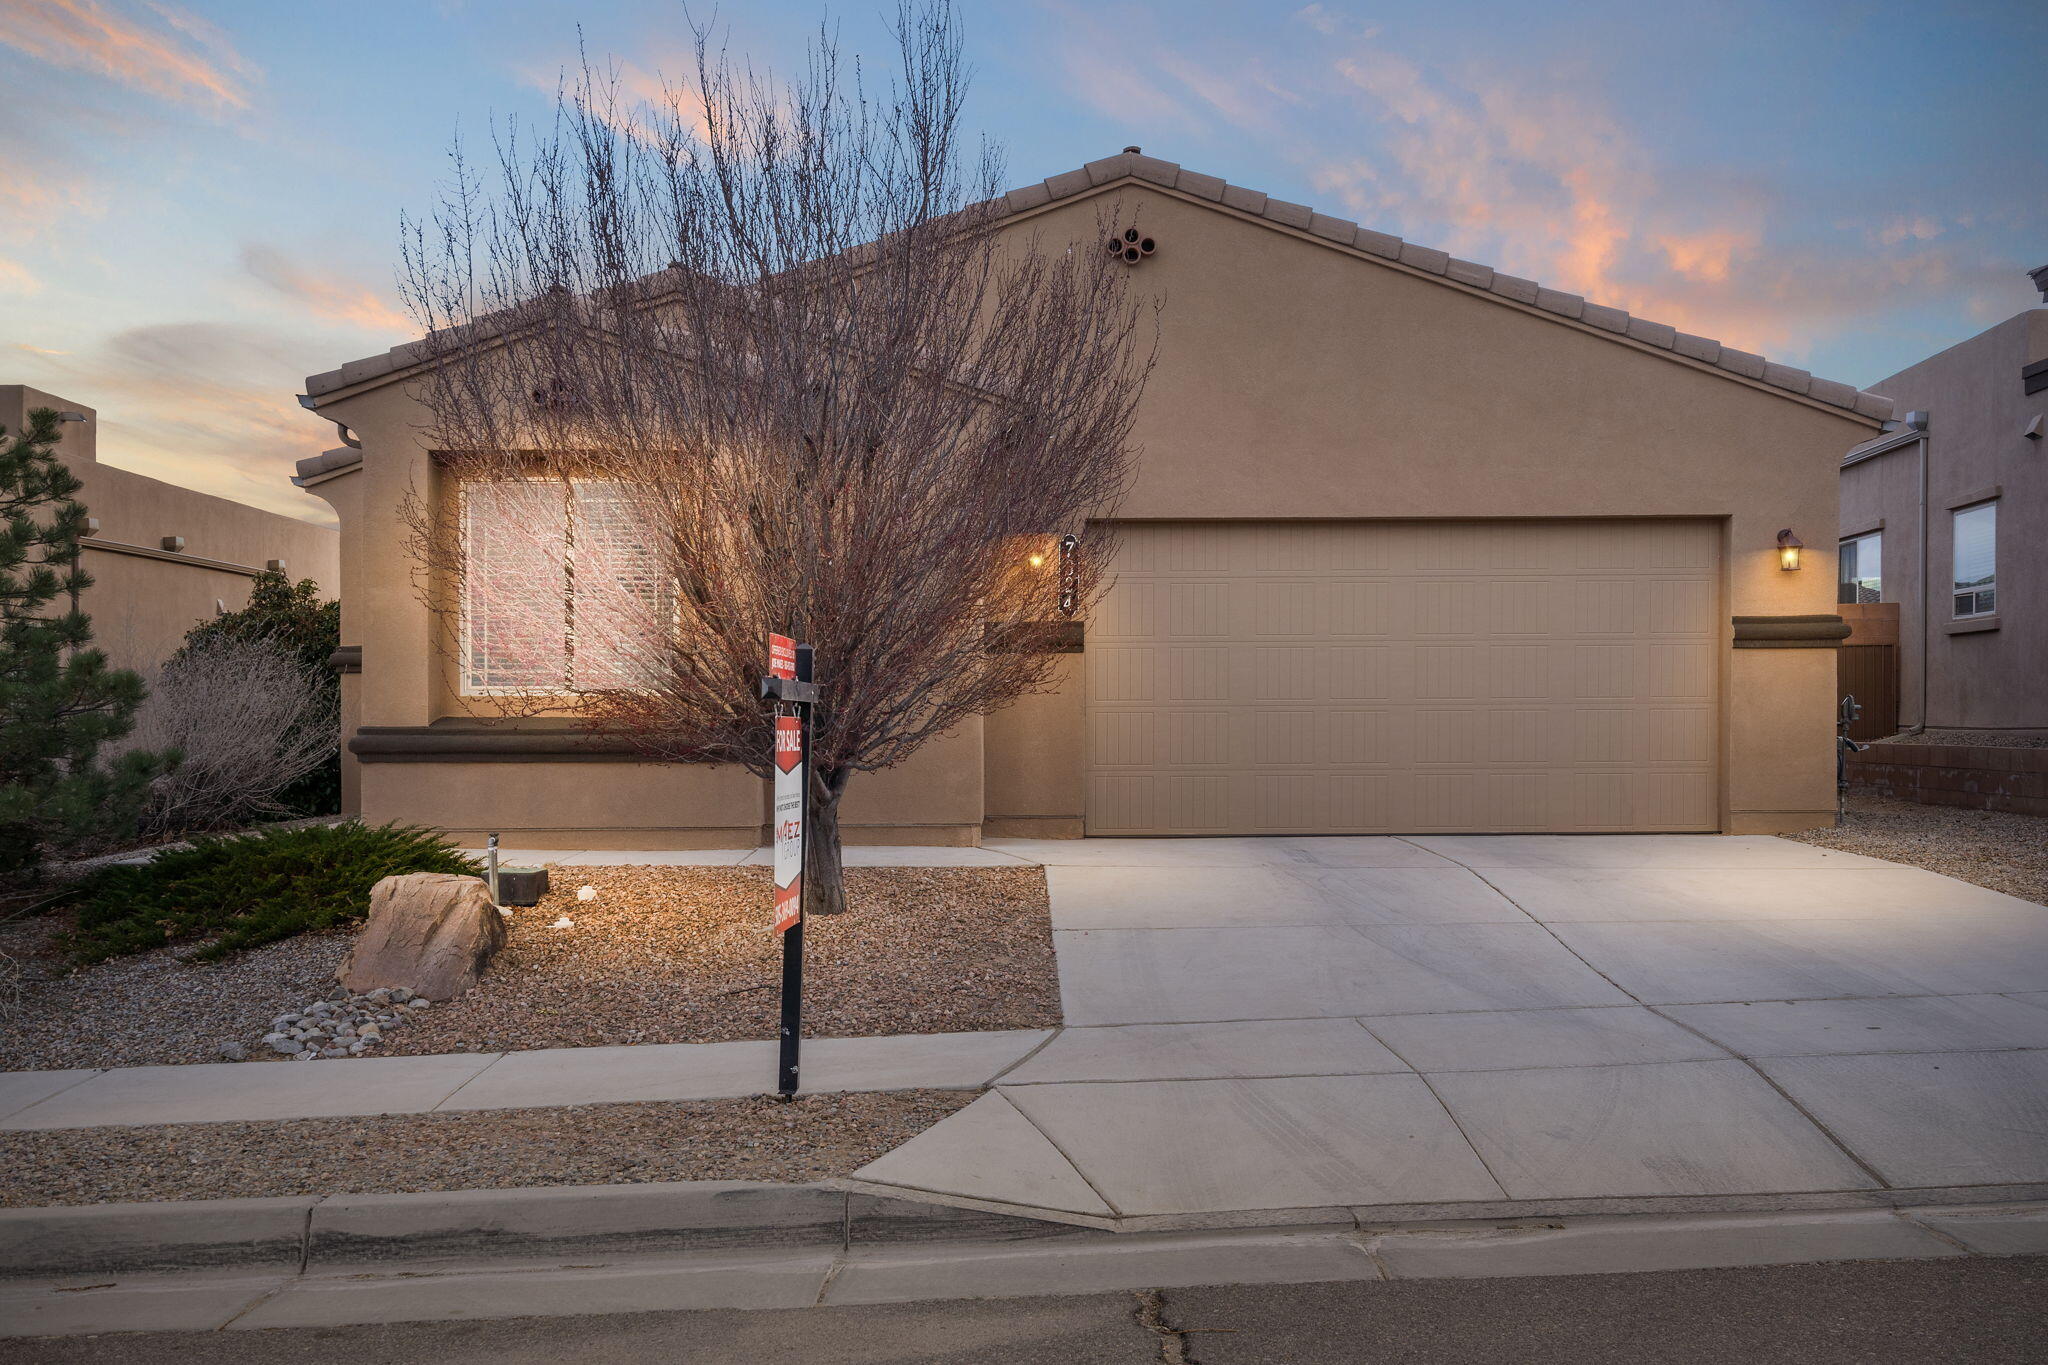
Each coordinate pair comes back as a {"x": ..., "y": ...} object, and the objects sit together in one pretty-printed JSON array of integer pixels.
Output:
[{"x": 432, "y": 932}]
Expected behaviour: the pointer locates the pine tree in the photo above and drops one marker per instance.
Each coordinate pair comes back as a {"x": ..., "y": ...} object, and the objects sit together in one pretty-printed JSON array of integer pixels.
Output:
[{"x": 59, "y": 702}]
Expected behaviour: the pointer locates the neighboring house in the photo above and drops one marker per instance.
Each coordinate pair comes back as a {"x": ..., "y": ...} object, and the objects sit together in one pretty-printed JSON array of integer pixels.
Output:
[
  {"x": 1414, "y": 545},
  {"x": 164, "y": 558},
  {"x": 1946, "y": 514}
]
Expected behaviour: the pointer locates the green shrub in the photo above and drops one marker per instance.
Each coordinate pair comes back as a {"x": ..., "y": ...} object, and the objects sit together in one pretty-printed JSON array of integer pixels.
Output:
[{"x": 245, "y": 890}]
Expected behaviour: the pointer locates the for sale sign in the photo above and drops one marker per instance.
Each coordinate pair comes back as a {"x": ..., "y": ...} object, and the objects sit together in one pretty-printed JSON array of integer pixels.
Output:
[
  {"x": 789, "y": 814},
  {"x": 781, "y": 657}
]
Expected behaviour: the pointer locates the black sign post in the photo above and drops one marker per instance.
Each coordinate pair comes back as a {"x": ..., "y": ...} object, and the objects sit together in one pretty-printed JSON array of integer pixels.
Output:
[{"x": 790, "y": 686}]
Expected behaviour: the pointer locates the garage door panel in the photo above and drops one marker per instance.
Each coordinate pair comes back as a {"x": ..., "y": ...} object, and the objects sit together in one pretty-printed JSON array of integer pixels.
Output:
[
  {"x": 1368, "y": 673},
  {"x": 1355, "y": 677}
]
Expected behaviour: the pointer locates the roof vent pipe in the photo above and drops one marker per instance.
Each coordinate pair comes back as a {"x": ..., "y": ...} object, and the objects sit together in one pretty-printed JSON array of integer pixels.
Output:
[{"x": 1134, "y": 151}]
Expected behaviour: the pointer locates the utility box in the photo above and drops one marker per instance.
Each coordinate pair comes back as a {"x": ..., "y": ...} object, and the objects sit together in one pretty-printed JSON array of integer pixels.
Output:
[{"x": 522, "y": 885}]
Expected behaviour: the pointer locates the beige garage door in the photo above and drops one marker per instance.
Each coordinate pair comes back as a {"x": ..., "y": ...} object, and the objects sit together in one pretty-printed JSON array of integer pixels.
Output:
[{"x": 1355, "y": 677}]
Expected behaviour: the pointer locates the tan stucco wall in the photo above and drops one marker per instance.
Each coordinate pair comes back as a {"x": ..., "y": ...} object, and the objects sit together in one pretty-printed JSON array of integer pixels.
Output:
[
  {"x": 1298, "y": 379},
  {"x": 142, "y": 606},
  {"x": 572, "y": 805},
  {"x": 1978, "y": 410}
]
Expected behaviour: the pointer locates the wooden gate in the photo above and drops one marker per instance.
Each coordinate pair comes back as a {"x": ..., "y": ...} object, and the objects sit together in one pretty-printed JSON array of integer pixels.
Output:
[{"x": 1870, "y": 673}]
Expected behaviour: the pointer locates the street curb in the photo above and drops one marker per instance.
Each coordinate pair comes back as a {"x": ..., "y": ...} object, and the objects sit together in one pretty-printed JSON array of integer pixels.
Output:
[
  {"x": 368, "y": 1231},
  {"x": 334, "y": 1231}
]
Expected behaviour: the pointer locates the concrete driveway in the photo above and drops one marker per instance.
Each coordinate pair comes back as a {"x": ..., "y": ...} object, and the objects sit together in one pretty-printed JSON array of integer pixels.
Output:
[{"x": 1464, "y": 1025}]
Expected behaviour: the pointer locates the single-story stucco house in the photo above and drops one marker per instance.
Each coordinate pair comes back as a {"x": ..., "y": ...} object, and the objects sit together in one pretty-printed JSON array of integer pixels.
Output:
[{"x": 1414, "y": 546}]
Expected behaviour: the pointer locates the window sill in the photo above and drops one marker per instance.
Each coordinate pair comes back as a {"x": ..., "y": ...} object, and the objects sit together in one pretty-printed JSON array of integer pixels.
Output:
[{"x": 1971, "y": 625}]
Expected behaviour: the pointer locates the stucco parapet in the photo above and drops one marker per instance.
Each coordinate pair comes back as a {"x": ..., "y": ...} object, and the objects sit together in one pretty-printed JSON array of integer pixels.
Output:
[
  {"x": 1874, "y": 405},
  {"x": 1378, "y": 243},
  {"x": 1787, "y": 377},
  {"x": 1067, "y": 183},
  {"x": 1698, "y": 348},
  {"x": 1208, "y": 187},
  {"x": 322, "y": 382},
  {"x": 1557, "y": 301},
  {"x": 1469, "y": 272},
  {"x": 1244, "y": 200},
  {"x": 1028, "y": 197},
  {"x": 1609, "y": 319},
  {"x": 1293, "y": 215},
  {"x": 1658, "y": 334},
  {"x": 1515, "y": 287},
  {"x": 1744, "y": 363},
  {"x": 1336, "y": 229},
  {"x": 1159, "y": 172},
  {"x": 1108, "y": 169}
]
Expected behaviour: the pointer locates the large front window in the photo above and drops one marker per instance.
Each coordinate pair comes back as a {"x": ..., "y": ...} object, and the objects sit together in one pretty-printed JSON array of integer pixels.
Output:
[
  {"x": 560, "y": 588},
  {"x": 1976, "y": 560},
  {"x": 1860, "y": 569}
]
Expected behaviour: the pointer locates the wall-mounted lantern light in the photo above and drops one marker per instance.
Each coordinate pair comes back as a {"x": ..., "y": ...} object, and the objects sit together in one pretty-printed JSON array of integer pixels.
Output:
[
  {"x": 1789, "y": 547},
  {"x": 1070, "y": 574}
]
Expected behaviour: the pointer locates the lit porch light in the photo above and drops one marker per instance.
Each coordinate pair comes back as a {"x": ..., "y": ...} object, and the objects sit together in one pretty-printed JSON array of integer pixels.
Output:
[{"x": 1789, "y": 547}]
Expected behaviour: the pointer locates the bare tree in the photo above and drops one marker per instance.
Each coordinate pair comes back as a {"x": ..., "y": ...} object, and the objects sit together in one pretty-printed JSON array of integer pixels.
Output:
[
  {"x": 249, "y": 718},
  {"x": 763, "y": 358}
]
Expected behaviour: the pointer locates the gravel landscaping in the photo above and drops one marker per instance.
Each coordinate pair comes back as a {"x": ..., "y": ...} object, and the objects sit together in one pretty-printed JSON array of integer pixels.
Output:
[
  {"x": 2001, "y": 850},
  {"x": 811, "y": 1138},
  {"x": 656, "y": 955}
]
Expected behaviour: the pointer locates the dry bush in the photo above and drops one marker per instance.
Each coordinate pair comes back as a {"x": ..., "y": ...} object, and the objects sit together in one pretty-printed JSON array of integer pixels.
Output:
[{"x": 250, "y": 719}]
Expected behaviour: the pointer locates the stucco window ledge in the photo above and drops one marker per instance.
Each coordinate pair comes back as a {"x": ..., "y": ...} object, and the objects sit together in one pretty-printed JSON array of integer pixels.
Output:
[
  {"x": 1972, "y": 626},
  {"x": 523, "y": 740}
]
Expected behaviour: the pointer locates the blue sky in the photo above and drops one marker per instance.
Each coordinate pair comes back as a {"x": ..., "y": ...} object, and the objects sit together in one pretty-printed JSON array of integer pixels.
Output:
[{"x": 199, "y": 203}]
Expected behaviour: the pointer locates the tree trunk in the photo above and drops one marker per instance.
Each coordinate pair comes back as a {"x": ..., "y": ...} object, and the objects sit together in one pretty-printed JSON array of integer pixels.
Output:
[{"x": 824, "y": 874}]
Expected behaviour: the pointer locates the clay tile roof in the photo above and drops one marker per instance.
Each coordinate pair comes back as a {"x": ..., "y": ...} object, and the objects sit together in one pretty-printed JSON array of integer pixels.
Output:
[{"x": 1148, "y": 170}]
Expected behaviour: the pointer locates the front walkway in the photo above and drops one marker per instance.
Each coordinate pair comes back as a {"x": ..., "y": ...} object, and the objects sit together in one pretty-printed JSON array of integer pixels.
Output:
[
  {"x": 1272, "y": 1030},
  {"x": 1320, "y": 1025}
]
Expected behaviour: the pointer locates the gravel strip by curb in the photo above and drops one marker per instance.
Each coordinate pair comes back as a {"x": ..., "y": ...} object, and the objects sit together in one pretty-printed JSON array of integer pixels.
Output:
[{"x": 814, "y": 1137}]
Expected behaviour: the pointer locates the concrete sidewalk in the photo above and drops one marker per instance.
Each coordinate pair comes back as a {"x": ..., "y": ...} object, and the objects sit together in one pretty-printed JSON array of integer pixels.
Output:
[
  {"x": 1292, "y": 1027},
  {"x": 227, "y": 1091}
]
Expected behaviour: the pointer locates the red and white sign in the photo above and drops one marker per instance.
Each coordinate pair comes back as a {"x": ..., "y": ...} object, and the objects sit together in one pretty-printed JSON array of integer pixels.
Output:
[
  {"x": 789, "y": 819},
  {"x": 781, "y": 657}
]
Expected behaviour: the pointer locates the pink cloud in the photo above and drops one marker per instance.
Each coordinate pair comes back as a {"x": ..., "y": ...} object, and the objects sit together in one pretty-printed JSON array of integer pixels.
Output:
[
  {"x": 192, "y": 63},
  {"x": 205, "y": 405},
  {"x": 323, "y": 295}
]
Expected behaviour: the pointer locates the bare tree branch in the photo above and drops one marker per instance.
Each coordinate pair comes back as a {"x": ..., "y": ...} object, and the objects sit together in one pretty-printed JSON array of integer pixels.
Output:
[{"x": 764, "y": 357}]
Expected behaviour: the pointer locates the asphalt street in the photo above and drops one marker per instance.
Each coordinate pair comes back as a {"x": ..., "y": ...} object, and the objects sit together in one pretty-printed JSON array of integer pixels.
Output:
[{"x": 1976, "y": 1309}]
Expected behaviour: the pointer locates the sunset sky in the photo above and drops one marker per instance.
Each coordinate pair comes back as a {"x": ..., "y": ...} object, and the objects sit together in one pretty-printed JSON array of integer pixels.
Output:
[{"x": 199, "y": 204}]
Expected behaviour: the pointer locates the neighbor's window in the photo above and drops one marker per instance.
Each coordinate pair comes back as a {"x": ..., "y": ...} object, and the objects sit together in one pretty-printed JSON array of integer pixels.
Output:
[
  {"x": 560, "y": 589},
  {"x": 1976, "y": 560},
  {"x": 1861, "y": 564}
]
